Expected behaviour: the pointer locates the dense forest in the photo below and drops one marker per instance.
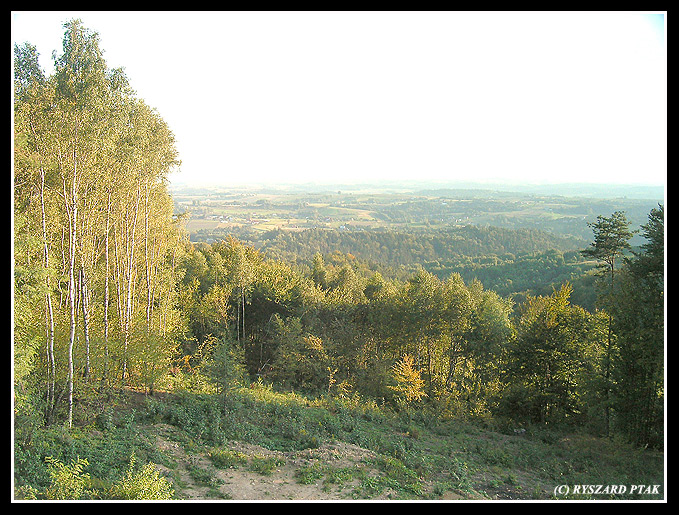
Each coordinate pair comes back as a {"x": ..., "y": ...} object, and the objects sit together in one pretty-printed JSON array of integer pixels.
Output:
[
  {"x": 513, "y": 263},
  {"x": 109, "y": 293}
]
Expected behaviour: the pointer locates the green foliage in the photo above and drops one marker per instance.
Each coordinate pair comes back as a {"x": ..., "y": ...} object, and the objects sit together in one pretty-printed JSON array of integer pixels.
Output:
[
  {"x": 226, "y": 365},
  {"x": 300, "y": 361},
  {"x": 409, "y": 385},
  {"x": 68, "y": 481},
  {"x": 265, "y": 465},
  {"x": 397, "y": 248},
  {"x": 611, "y": 239},
  {"x": 638, "y": 322},
  {"x": 310, "y": 474},
  {"x": 225, "y": 458},
  {"x": 145, "y": 483},
  {"x": 204, "y": 476},
  {"x": 550, "y": 355}
]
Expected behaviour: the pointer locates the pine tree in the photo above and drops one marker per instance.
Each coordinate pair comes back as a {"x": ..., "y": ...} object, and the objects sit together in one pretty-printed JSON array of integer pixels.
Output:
[
  {"x": 639, "y": 325},
  {"x": 611, "y": 240}
]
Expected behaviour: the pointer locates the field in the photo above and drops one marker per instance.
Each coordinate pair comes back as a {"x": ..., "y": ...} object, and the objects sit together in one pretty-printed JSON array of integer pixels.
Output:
[{"x": 252, "y": 212}]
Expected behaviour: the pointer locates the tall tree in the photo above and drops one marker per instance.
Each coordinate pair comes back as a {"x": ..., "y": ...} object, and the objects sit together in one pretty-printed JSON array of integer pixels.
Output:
[
  {"x": 611, "y": 240},
  {"x": 81, "y": 82},
  {"x": 547, "y": 359},
  {"x": 639, "y": 325},
  {"x": 32, "y": 98}
]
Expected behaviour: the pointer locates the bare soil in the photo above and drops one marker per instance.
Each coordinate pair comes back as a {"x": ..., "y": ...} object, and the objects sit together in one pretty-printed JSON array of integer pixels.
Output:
[{"x": 240, "y": 483}]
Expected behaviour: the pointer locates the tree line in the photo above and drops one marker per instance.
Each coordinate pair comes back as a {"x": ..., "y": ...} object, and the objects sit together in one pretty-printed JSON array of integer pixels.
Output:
[
  {"x": 406, "y": 247},
  {"x": 109, "y": 292},
  {"x": 467, "y": 351}
]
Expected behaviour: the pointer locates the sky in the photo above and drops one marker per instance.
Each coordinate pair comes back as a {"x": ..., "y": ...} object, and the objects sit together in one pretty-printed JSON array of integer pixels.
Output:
[{"x": 359, "y": 97}]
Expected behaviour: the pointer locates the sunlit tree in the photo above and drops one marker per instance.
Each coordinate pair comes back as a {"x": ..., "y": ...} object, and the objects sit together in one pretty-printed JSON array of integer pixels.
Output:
[{"x": 611, "y": 240}]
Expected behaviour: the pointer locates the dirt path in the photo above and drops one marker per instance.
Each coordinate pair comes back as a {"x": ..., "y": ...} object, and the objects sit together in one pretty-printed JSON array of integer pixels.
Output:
[{"x": 242, "y": 483}]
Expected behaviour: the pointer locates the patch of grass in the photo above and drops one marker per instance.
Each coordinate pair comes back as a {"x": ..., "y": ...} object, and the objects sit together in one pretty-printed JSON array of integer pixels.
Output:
[
  {"x": 226, "y": 458},
  {"x": 204, "y": 476},
  {"x": 265, "y": 465},
  {"x": 311, "y": 474}
]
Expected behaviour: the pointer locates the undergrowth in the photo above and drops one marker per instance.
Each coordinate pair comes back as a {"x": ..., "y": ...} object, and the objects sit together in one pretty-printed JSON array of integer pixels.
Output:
[{"x": 416, "y": 458}]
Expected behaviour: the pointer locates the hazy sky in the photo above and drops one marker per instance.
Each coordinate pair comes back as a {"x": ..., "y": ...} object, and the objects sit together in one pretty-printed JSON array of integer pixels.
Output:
[{"x": 359, "y": 96}]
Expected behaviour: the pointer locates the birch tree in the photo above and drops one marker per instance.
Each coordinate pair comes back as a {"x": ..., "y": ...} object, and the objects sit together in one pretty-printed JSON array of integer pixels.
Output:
[
  {"x": 80, "y": 84},
  {"x": 91, "y": 166},
  {"x": 32, "y": 100}
]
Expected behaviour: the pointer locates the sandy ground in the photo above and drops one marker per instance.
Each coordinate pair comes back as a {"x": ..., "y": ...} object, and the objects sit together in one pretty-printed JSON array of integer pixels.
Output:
[{"x": 240, "y": 483}]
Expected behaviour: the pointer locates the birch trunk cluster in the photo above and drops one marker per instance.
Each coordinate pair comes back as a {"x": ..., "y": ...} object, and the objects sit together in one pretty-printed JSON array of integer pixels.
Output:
[{"x": 91, "y": 163}]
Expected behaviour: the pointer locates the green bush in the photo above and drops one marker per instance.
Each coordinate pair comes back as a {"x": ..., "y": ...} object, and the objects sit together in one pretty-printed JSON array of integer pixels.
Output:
[
  {"x": 145, "y": 483},
  {"x": 310, "y": 474},
  {"x": 265, "y": 465},
  {"x": 68, "y": 481}
]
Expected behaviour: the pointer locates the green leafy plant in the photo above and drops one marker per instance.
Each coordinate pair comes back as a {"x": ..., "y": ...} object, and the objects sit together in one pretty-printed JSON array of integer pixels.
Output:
[
  {"x": 310, "y": 474},
  {"x": 226, "y": 458},
  {"x": 265, "y": 465},
  {"x": 145, "y": 483},
  {"x": 68, "y": 481}
]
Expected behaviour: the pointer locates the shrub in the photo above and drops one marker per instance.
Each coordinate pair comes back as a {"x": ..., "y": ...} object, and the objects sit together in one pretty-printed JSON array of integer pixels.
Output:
[
  {"x": 68, "y": 481},
  {"x": 310, "y": 474},
  {"x": 265, "y": 465},
  {"x": 146, "y": 483}
]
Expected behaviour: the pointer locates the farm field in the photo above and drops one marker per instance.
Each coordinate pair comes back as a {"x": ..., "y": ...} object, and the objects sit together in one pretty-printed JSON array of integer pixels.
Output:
[{"x": 254, "y": 211}]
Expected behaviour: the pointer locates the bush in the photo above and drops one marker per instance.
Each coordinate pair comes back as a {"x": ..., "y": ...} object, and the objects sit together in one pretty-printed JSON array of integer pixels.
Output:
[
  {"x": 146, "y": 483},
  {"x": 265, "y": 465},
  {"x": 309, "y": 475},
  {"x": 68, "y": 481}
]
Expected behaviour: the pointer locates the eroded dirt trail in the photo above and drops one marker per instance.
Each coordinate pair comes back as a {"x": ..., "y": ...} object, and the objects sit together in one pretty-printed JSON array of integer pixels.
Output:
[{"x": 240, "y": 483}]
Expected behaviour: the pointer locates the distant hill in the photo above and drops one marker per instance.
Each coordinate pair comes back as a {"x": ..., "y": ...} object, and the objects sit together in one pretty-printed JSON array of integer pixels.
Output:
[
  {"x": 406, "y": 248},
  {"x": 587, "y": 190}
]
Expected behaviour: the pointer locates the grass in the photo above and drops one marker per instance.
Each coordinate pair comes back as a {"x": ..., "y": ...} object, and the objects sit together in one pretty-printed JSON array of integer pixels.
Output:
[
  {"x": 408, "y": 458},
  {"x": 265, "y": 465},
  {"x": 226, "y": 458}
]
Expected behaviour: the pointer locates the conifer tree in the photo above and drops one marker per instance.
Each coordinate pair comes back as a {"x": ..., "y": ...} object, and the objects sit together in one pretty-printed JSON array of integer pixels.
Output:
[
  {"x": 639, "y": 326},
  {"x": 611, "y": 240}
]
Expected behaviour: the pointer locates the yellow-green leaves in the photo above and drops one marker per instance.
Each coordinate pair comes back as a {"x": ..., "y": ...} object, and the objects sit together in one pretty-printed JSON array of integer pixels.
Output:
[{"x": 409, "y": 385}]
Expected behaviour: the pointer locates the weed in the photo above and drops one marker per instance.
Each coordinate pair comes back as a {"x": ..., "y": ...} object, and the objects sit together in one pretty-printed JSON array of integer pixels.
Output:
[
  {"x": 371, "y": 487},
  {"x": 340, "y": 476},
  {"x": 226, "y": 458},
  {"x": 203, "y": 476},
  {"x": 310, "y": 474},
  {"x": 265, "y": 465}
]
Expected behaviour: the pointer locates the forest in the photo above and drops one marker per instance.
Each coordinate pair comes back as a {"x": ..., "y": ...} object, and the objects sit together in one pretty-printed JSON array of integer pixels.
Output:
[{"x": 506, "y": 329}]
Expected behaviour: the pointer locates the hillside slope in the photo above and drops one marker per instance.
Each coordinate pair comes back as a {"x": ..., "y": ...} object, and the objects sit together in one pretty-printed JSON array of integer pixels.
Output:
[{"x": 263, "y": 445}]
